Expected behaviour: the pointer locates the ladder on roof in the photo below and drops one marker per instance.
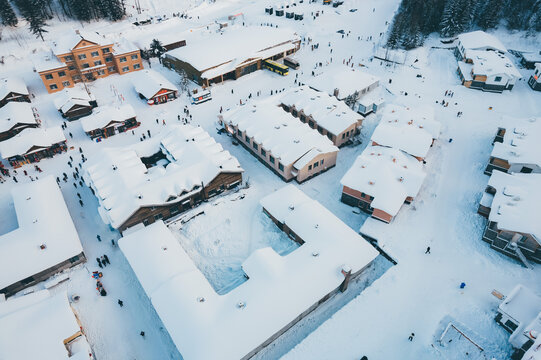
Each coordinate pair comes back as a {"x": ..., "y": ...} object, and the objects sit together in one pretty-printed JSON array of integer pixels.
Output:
[{"x": 523, "y": 258}]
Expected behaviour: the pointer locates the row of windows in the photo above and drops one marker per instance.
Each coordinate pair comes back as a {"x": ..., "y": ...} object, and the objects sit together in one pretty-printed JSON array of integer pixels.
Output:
[
  {"x": 64, "y": 84},
  {"x": 316, "y": 164},
  {"x": 96, "y": 54},
  {"x": 100, "y": 72},
  {"x": 263, "y": 151}
]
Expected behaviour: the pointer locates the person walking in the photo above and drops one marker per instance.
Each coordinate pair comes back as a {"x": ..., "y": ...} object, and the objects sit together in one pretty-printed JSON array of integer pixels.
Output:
[
  {"x": 104, "y": 263},
  {"x": 98, "y": 237},
  {"x": 121, "y": 303},
  {"x": 99, "y": 263},
  {"x": 410, "y": 338},
  {"x": 427, "y": 250},
  {"x": 106, "y": 258},
  {"x": 142, "y": 333}
]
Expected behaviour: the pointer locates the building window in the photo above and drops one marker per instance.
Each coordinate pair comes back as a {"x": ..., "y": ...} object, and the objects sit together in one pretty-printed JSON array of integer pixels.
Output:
[
  {"x": 310, "y": 123},
  {"x": 65, "y": 83},
  {"x": 146, "y": 222},
  {"x": 271, "y": 159},
  {"x": 82, "y": 57},
  {"x": 61, "y": 73},
  {"x": 263, "y": 152},
  {"x": 71, "y": 67},
  {"x": 49, "y": 76},
  {"x": 76, "y": 77},
  {"x": 134, "y": 57},
  {"x": 106, "y": 50},
  {"x": 96, "y": 63},
  {"x": 95, "y": 54},
  {"x": 109, "y": 59},
  {"x": 101, "y": 72},
  {"x": 136, "y": 66},
  {"x": 74, "y": 259},
  {"x": 123, "y": 59},
  {"x": 309, "y": 167},
  {"x": 255, "y": 145},
  {"x": 125, "y": 68},
  {"x": 158, "y": 216},
  {"x": 68, "y": 58},
  {"x": 247, "y": 139},
  {"x": 239, "y": 133},
  {"x": 498, "y": 79},
  {"x": 322, "y": 160},
  {"x": 85, "y": 65},
  {"x": 28, "y": 280},
  {"x": 53, "y": 87},
  {"x": 111, "y": 69},
  {"x": 316, "y": 165},
  {"x": 280, "y": 166}
]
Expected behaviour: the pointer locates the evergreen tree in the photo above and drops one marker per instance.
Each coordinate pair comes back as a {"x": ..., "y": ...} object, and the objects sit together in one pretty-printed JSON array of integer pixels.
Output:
[
  {"x": 490, "y": 14},
  {"x": 116, "y": 10},
  {"x": 37, "y": 24},
  {"x": 156, "y": 48},
  {"x": 81, "y": 9},
  {"x": 7, "y": 14}
]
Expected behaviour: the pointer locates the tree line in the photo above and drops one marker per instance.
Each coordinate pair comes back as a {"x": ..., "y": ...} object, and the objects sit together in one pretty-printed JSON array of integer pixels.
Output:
[
  {"x": 416, "y": 19},
  {"x": 38, "y": 12}
]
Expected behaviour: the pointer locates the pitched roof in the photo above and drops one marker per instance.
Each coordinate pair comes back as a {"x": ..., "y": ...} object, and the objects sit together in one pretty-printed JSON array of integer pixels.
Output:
[
  {"x": 43, "y": 218},
  {"x": 205, "y": 325},
  {"x": 481, "y": 40},
  {"x": 123, "y": 184},
  {"x": 12, "y": 84},
  {"x": 103, "y": 115},
  {"x": 21, "y": 143},
  {"x": 14, "y": 113},
  {"x": 148, "y": 83},
  {"x": 66, "y": 43},
  {"x": 347, "y": 81},
  {"x": 491, "y": 63},
  {"x": 408, "y": 138}
]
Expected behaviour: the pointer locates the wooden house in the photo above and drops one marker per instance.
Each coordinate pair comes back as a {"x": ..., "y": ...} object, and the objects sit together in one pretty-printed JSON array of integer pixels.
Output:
[
  {"x": 13, "y": 89},
  {"x": 75, "y": 103},
  {"x": 154, "y": 88},
  {"x": 14, "y": 118},
  {"x": 32, "y": 145},
  {"x": 107, "y": 121},
  {"x": 477, "y": 40}
]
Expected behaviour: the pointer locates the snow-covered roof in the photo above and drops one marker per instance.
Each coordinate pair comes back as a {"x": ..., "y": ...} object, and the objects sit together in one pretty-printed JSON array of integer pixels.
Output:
[
  {"x": 406, "y": 131},
  {"x": 422, "y": 117},
  {"x": 67, "y": 42},
  {"x": 534, "y": 57},
  {"x": 534, "y": 352},
  {"x": 123, "y": 46},
  {"x": 517, "y": 203},
  {"x": 104, "y": 115},
  {"x": 328, "y": 112},
  {"x": 480, "y": 40},
  {"x": 123, "y": 184},
  {"x": 287, "y": 138},
  {"x": 23, "y": 142},
  {"x": 69, "y": 97},
  {"x": 43, "y": 218},
  {"x": 521, "y": 143},
  {"x": 522, "y": 304},
  {"x": 12, "y": 84},
  {"x": 14, "y": 113},
  {"x": 388, "y": 175},
  {"x": 347, "y": 81},
  {"x": 491, "y": 63},
  {"x": 34, "y": 326},
  {"x": 148, "y": 83},
  {"x": 232, "y": 48},
  {"x": 46, "y": 61},
  {"x": 167, "y": 32},
  {"x": 205, "y": 325}
]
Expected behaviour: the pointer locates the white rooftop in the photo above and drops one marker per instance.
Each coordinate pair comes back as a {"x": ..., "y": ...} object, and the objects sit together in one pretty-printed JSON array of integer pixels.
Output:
[
  {"x": 234, "y": 47},
  {"x": 123, "y": 184},
  {"x": 408, "y": 137},
  {"x": 491, "y": 63},
  {"x": 517, "y": 203},
  {"x": 388, "y": 175},
  {"x": 12, "y": 84},
  {"x": 422, "y": 117},
  {"x": 67, "y": 42},
  {"x": 287, "y": 138},
  {"x": 104, "y": 115},
  {"x": 480, "y": 40},
  {"x": 45, "y": 61},
  {"x": 35, "y": 326},
  {"x": 347, "y": 81},
  {"x": 521, "y": 143},
  {"x": 43, "y": 219},
  {"x": 205, "y": 325},
  {"x": 123, "y": 46},
  {"x": 14, "y": 113},
  {"x": 31, "y": 140},
  {"x": 329, "y": 112},
  {"x": 149, "y": 83},
  {"x": 68, "y": 97}
]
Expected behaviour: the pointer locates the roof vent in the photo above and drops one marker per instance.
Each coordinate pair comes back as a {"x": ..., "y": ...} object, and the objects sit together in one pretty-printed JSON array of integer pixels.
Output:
[
  {"x": 43, "y": 246},
  {"x": 291, "y": 207},
  {"x": 316, "y": 226},
  {"x": 401, "y": 179},
  {"x": 276, "y": 126},
  {"x": 201, "y": 299},
  {"x": 241, "y": 305},
  {"x": 315, "y": 254},
  {"x": 296, "y": 141},
  {"x": 139, "y": 196},
  {"x": 114, "y": 167},
  {"x": 371, "y": 183}
]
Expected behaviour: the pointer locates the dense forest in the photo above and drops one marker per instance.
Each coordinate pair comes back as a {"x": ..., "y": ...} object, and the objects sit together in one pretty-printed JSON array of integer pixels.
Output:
[
  {"x": 415, "y": 19},
  {"x": 37, "y": 12}
]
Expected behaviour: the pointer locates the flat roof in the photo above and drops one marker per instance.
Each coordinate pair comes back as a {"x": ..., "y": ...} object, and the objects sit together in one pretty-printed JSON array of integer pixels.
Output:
[
  {"x": 205, "y": 325},
  {"x": 480, "y": 40},
  {"x": 521, "y": 143},
  {"x": 491, "y": 63},
  {"x": 43, "y": 219},
  {"x": 347, "y": 81}
]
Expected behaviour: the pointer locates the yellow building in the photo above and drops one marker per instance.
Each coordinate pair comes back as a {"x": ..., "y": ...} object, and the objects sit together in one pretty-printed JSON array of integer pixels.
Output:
[{"x": 85, "y": 57}]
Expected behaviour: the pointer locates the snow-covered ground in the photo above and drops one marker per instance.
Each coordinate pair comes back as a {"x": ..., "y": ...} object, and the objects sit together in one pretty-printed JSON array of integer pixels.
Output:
[{"x": 413, "y": 296}]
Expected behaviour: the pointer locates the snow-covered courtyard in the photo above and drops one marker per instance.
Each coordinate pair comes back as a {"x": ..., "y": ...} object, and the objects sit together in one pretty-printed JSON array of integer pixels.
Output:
[{"x": 382, "y": 309}]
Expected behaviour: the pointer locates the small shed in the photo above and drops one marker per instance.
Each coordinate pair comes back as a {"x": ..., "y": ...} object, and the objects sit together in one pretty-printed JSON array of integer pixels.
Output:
[{"x": 154, "y": 87}]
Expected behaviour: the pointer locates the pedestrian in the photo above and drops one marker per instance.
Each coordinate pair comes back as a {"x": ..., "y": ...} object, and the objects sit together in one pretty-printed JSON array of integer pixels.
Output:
[
  {"x": 71, "y": 158},
  {"x": 163, "y": 121},
  {"x": 427, "y": 250},
  {"x": 410, "y": 338},
  {"x": 99, "y": 237},
  {"x": 15, "y": 179},
  {"x": 71, "y": 135},
  {"x": 121, "y": 303},
  {"x": 231, "y": 91},
  {"x": 148, "y": 131},
  {"x": 113, "y": 242},
  {"x": 99, "y": 263},
  {"x": 103, "y": 261},
  {"x": 57, "y": 180},
  {"x": 81, "y": 202},
  {"x": 75, "y": 185},
  {"x": 157, "y": 122},
  {"x": 451, "y": 140},
  {"x": 106, "y": 258},
  {"x": 142, "y": 333},
  {"x": 80, "y": 150},
  {"x": 78, "y": 195}
]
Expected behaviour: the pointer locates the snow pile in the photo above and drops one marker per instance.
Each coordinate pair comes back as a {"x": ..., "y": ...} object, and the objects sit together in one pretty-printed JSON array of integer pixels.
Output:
[
  {"x": 523, "y": 306},
  {"x": 517, "y": 203},
  {"x": 15, "y": 113},
  {"x": 277, "y": 131},
  {"x": 386, "y": 174},
  {"x": 123, "y": 184},
  {"x": 43, "y": 219},
  {"x": 205, "y": 325},
  {"x": 12, "y": 84},
  {"x": 233, "y": 48},
  {"x": 148, "y": 83},
  {"x": 38, "y": 325},
  {"x": 521, "y": 145},
  {"x": 31, "y": 140},
  {"x": 105, "y": 115},
  {"x": 344, "y": 83},
  {"x": 328, "y": 112}
]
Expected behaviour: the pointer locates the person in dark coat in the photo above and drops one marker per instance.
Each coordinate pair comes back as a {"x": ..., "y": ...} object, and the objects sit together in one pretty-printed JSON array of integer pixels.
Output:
[
  {"x": 98, "y": 237},
  {"x": 99, "y": 263},
  {"x": 142, "y": 333},
  {"x": 410, "y": 338},
  {"x": 106, "y": 258},
  {"x": 121, "y": 303}
]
